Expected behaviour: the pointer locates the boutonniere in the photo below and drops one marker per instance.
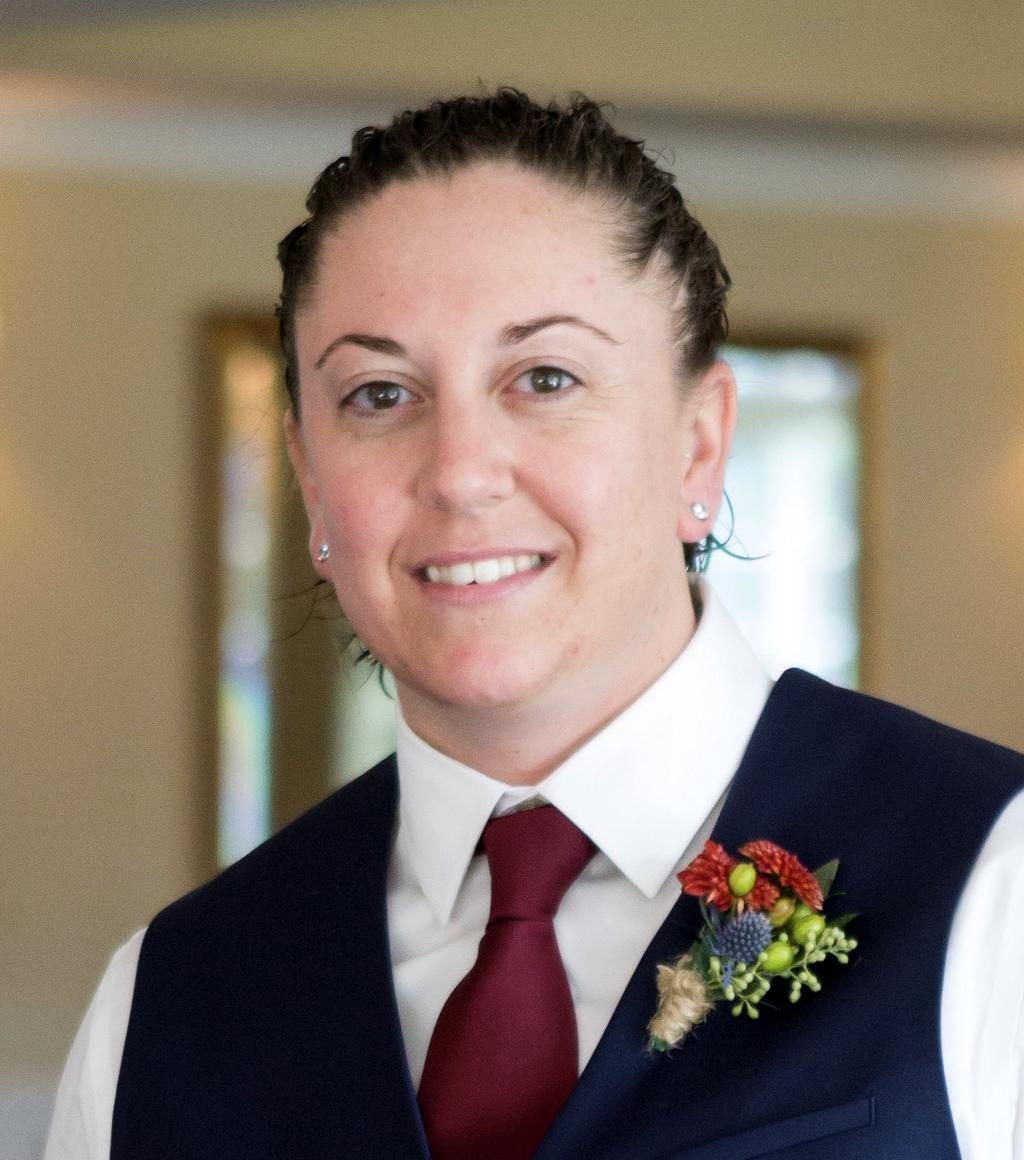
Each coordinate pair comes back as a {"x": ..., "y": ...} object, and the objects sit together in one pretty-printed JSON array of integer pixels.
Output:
[{"x": 764, "y": 922}]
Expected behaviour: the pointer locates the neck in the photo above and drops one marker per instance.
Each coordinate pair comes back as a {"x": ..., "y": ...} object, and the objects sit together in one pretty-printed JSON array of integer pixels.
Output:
[{"x": 521, "y": 743}]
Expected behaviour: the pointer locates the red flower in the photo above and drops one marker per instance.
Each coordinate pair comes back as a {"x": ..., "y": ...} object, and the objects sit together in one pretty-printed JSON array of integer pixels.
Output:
[
  {"x": 787, "y": 868},
  {"x": 708, "y": 876},
  {"x": 763, "y": 896}
]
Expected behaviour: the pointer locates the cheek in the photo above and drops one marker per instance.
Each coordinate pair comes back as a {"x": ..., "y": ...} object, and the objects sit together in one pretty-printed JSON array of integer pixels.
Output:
[
  {"x": 608, "y": 505},
  {"x": 637, "y": 475},
  {"x": 633, "y": 507},
  {"x": 361, "y": 521}
]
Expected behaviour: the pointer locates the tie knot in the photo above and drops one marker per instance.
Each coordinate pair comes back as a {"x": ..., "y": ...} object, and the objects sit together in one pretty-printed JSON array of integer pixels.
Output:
[{"x": 534, "y": 856}]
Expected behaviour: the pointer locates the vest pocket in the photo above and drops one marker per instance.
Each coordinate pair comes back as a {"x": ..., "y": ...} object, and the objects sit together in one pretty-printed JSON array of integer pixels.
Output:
[{"x": 770, "y": 1138}]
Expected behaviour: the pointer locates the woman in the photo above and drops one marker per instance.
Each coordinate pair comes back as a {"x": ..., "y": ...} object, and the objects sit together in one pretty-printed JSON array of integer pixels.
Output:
[{"x": 501, "y": 327}]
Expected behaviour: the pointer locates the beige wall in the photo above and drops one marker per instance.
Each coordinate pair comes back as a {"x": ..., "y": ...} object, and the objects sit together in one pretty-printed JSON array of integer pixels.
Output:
[
  {"x": 101, "y": 289},
  {"x": 101, "y": 284}
]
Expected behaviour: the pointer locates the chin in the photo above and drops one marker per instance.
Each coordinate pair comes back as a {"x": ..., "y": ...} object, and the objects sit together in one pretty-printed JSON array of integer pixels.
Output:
[{"x": 481, "y": 680}]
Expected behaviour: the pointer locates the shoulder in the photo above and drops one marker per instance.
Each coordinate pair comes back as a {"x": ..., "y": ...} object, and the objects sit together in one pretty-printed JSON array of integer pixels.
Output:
[
  {"x": 343, "y": 839},
  {"x": 890, "y": 735}
]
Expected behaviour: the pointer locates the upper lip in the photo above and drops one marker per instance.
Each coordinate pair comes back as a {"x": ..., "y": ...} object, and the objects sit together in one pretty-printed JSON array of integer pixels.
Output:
[{"x": 447, "y": 559}]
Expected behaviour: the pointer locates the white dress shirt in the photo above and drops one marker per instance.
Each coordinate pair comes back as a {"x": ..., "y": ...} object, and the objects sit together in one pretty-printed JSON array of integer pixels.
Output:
[{"x": 647, "y": 790}]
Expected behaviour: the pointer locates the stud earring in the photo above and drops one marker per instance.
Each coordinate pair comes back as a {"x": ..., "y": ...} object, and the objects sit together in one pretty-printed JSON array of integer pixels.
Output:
[
  {"x": 699, "y": 510},
  {"x": 324, "y": 553}
]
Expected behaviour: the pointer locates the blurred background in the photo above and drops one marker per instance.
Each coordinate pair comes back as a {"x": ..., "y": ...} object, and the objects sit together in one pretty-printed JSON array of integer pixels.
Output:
[{"x": 171, "y": 687}]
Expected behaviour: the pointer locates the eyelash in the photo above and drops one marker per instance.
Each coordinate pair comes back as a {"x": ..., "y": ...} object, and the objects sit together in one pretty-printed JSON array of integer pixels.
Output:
[{"x": 366, "y": 407}]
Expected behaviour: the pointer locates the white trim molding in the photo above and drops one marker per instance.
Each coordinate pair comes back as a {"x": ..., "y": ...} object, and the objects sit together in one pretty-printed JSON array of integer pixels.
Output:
[{"x": 63, "y": 127}]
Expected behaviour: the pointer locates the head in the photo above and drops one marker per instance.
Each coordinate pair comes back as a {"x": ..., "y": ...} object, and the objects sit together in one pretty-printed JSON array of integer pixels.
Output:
[{"x": 432, "y": 418}]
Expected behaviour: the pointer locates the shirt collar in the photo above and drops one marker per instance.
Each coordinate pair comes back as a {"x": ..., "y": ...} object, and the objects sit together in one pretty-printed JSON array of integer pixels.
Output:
[{"x": 640, "y": 788}]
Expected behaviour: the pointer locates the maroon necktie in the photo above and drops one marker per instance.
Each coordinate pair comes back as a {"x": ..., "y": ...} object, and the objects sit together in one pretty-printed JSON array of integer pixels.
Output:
[{"x": 503, "y": 1056}]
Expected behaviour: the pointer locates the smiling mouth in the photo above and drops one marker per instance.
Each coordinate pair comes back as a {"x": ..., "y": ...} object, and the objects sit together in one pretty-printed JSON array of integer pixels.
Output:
[{"x": 481, "y": 571}]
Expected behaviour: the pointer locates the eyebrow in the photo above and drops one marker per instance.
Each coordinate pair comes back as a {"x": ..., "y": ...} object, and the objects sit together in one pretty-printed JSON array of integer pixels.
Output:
[
  {"x": 511, "y": 335},
  {"x": 523, "y": 330},
  {"x": 373, "y": 342}
]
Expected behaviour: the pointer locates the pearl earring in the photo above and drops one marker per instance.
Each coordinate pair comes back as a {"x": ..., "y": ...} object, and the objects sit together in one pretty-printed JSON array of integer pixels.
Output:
[
  {"x": 324, "y": 553},
  {"x": 699, "y": 510}
]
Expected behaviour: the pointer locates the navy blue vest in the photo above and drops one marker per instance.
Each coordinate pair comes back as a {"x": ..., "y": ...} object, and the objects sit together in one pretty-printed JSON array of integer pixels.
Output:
[{"x": 264, "y": 1023}]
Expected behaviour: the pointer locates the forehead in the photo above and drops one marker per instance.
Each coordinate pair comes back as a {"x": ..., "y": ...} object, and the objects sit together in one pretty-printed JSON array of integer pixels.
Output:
[
  {"x": 490, "y": 245},
  {"x": 485, "y": 210}
]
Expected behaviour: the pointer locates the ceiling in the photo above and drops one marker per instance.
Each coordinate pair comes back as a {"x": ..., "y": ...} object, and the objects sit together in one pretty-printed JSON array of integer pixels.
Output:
[
  {"x": 917, "y": 67},
  {"x": 54, "y": 13}
]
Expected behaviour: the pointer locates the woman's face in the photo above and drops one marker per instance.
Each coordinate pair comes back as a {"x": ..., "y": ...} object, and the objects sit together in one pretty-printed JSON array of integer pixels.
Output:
[{"x": 489, "y": 395}]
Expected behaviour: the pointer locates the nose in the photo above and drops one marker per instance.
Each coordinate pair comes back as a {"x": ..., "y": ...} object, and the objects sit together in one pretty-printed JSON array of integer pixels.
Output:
[{"x": 467, "y": 459}]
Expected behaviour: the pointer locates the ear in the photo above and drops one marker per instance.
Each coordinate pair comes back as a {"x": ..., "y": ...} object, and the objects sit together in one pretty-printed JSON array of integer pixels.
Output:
[
  {"x": 710, "y": 418},
  {"x": 296, "y": 446}
]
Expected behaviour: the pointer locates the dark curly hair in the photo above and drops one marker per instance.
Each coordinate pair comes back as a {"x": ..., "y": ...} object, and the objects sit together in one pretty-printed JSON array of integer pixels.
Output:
[{"x": 575, "y": 145}]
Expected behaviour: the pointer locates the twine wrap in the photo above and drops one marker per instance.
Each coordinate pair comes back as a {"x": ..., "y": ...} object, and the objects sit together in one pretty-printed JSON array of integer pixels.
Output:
[{"x": 683, "y": 1002}]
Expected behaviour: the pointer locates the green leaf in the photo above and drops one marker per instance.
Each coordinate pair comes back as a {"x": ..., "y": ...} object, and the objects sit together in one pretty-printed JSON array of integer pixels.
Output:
[
  {"x": 843, "y": 920},
  {"x": 826, "y": 875},
  {"x": 701, "y": 955}
]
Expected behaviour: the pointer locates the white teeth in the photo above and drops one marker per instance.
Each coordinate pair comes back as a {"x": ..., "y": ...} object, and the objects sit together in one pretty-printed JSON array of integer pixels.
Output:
[
  {"x": 481, "y": 571},
  {"x": 486, "y": 571}
]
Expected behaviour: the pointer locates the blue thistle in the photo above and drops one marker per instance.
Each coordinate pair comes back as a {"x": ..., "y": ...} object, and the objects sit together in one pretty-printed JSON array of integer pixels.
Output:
[{"x": 743, "y": 938}]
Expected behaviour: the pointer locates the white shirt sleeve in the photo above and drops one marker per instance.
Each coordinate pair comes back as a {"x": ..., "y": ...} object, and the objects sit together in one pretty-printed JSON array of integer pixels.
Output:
[
  {"x": 80, "y": 1128},
  {"x": 982, "y": 1019},
  {"x": 983, "y": 998}
]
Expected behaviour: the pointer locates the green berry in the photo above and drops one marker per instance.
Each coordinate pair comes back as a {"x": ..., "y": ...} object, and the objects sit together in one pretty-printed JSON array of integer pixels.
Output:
[
  {"x": 742, "y": 879},
  {"x": 776, "y": 957},
  {"x": 807, "y": 928},
  {"x": 781, "y": 912}
]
